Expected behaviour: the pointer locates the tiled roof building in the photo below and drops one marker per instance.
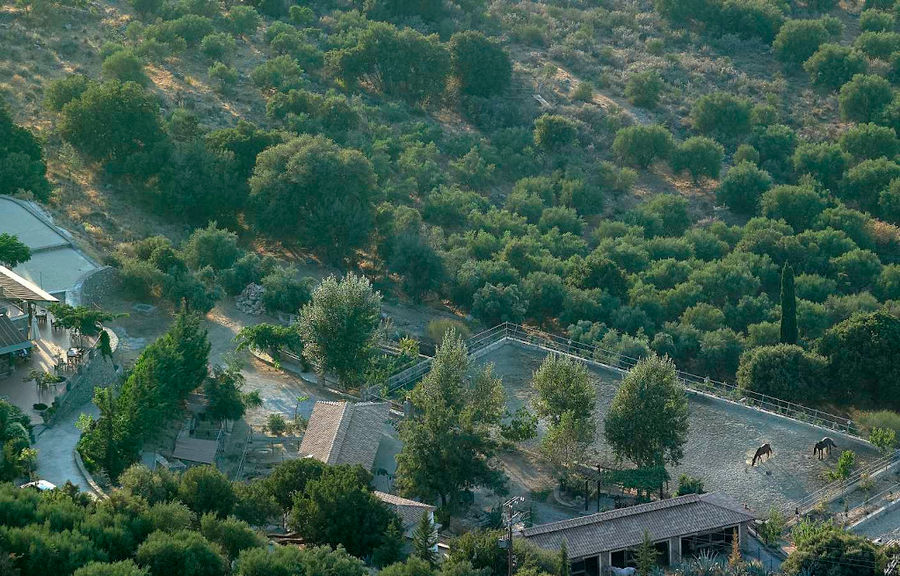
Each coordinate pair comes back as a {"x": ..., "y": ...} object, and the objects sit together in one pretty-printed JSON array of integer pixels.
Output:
[
  {"x": 679, "y": 527},
  {"x": 345, "y": 432},
  {"x": 409, "y": 511}
]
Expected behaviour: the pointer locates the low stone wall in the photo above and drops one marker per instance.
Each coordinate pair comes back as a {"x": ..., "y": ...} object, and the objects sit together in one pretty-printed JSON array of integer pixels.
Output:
[
  {"x": 80, "y": 387},
  {"x": 96, "y": 287}
]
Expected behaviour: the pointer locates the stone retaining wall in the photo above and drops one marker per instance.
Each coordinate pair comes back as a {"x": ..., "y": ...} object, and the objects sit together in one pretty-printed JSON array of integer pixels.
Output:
[
  {"x": 96, "y": 287},
  {"x": 96, "y": 371}
]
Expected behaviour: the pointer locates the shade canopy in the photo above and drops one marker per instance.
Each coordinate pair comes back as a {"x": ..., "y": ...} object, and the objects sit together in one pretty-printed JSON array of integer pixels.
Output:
[{"x": 14, "y": 287}]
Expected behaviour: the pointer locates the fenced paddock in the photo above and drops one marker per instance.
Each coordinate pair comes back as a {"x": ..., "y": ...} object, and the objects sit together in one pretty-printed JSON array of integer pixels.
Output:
[
  {"x": 726, "y": 425},
  {"x": 722, "y": 438}
]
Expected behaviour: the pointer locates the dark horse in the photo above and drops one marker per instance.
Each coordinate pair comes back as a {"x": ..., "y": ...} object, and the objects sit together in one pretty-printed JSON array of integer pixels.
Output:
[
  {"x": 764, "y": 450},
  {"x": 823, "y": 447}
]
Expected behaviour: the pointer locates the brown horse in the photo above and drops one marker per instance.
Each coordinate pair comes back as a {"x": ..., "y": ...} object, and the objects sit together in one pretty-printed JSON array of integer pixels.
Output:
[
  {"x": 764, "y": 450},
  {"x": 823, "y": 447}
]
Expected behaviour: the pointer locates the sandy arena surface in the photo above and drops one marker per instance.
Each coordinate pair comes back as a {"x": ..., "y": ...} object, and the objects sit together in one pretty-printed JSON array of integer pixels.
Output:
[{"x": 722, "y": 439}]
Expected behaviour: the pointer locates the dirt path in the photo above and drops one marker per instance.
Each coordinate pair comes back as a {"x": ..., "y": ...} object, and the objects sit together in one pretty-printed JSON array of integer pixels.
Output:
[{"x": 280, "y": 390}]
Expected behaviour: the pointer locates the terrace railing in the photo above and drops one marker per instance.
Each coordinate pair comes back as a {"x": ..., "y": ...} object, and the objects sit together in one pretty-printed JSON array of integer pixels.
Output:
[
  {"x": 614, "y": 360},
  {"x": 839, "y": 488}
]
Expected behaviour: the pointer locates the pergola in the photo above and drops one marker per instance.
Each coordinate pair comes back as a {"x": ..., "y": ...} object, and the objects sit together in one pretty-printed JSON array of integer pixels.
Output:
[{"x": 17, "y": 290}]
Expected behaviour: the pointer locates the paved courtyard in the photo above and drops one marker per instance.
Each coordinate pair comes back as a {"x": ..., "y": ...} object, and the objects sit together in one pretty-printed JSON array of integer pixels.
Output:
[{"x": 20, "y": 389}]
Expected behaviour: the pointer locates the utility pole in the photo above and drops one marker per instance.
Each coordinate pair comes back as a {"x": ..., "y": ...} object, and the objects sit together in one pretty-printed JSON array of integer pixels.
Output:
[{"x": 511, "y": 517}]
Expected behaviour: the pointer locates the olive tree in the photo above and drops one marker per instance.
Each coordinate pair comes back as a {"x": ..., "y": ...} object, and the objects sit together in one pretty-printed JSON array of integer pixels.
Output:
[
  {"x": 647, "y": 422},
  {"x": 312, "y": 190},
  {"x": 340, "y": 327}
]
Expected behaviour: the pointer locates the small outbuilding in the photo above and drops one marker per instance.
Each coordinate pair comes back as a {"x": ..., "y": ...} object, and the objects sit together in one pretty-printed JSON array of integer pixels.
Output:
[
  {"x": 409, "y": 511},
  {"x": 682, "y": 527},
  {"x": 345, "y": 432}
]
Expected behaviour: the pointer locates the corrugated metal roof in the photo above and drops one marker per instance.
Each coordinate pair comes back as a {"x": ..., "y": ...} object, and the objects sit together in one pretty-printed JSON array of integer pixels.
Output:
[
  {"x": 625, "y": 527},
  {"x": 345, "y": 432},
  {"x": 14, "y": 287},
  {"x": 195, "y": 450}
]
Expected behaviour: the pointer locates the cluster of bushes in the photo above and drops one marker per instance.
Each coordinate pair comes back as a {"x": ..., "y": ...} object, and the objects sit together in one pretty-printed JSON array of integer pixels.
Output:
[
  {"x": 165, "y": 373},
  {"x": 209, "y": 263},
  {"x": 200, "y": 524},
  {"x": 19, "y": 458},
  {"x": 757, "y": 19}
]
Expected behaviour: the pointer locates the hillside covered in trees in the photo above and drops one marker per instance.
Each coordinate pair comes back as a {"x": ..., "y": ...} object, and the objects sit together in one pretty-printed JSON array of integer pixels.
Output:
[{"x": 715, "y": 181}]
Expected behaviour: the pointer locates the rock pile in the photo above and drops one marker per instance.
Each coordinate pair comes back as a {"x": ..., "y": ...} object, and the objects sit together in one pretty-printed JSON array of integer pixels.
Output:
[{"x": 250, "y": 301}]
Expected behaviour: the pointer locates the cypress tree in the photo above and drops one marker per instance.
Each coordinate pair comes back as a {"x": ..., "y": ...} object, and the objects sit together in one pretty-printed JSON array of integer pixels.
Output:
[
  {"x": 646, "y": 556},
  {"x": 564, "y": 566},
  {"x": 424, "y": 539},
  {"x": 788, "y": 306}
]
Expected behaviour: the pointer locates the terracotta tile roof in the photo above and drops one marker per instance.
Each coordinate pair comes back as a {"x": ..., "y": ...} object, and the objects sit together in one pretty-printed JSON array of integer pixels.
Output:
[
  {"x": 345, "y": 432},
  {"x": 14, "y": 287},
  {"x": 625, "y": 527}
]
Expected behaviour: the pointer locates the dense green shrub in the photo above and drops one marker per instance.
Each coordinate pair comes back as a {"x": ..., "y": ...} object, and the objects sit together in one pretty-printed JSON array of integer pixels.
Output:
[
  {"x": 399, "y": 62},
  {"x": 721, "y": 114},
  {"x": 642, "y": 145},
  {"x": 494, "y": 304},
  {"x": 699, "y": 156},
  {"x": 869, "y": 141},
  {"x": 124, "y": 66},
  {"x": 553, "y": 132},
  {"x": 874, "y": 20},
  {"x": 775, "y": 144},
  {"x": 834, "y": 65},
  {"x": 111, "y": 121},
  {"x": 218, "y": 46},
  {"x": 860, "y": 359},
  {"x": 63, "y": 90},
  {"x": 857, "y": 269},
  {"x": 825, "y": 162},
  {"x": 864, "y": 182},
  {"x": 329, "y": 185},
  {"x": 643, "y": 88},
  {"x": 799, "y": 206},
  {"x": 865, "y": 98},
  {"x": 281, "y": 73},
  {"x": 889, "y": 202},
  {"x": 760, "y": 19},
  {"x": 742, "y": 187},
  {"x": 302, "y": 16},
  {"x": 22, "y": 166},
  {"x": 785, "y": 371},
  {"x": 480, "y": 65},
  {"x": 878, "y": 44},
  {"x": 243, "y": 20},
  {"x": 798, "y": 40}
]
